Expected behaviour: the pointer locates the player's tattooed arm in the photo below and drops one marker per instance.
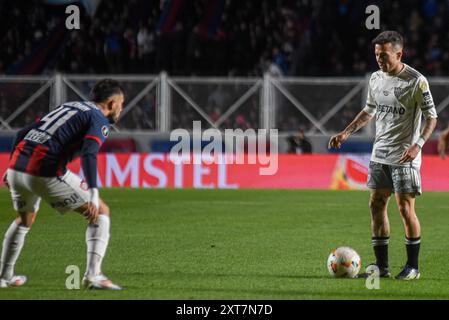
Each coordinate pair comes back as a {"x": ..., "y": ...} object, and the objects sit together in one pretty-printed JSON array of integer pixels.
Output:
[
  {"x": 427, "y": 131},
  {"x": 359, "y": 121},
  {"x": 410, "y": 153}
]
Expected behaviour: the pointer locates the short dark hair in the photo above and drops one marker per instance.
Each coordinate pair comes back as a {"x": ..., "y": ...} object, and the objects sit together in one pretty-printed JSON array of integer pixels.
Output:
[
  {"x": 105, "y": 89},
  {"x": 392, "y": 37}
]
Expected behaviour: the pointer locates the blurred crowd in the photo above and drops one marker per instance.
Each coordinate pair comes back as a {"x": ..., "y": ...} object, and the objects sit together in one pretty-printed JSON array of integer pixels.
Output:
[
  {"x": 284, "y": 37},
  {"x": 249, "y": 38}
]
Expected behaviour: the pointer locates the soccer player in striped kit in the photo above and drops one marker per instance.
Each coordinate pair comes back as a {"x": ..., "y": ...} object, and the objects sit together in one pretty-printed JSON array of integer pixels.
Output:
[{"x": 37, "y": 170}]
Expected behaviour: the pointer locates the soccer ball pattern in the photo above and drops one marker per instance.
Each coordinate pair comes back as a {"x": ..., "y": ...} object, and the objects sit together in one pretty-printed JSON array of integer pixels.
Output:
[{"x": 344, "y": 262}]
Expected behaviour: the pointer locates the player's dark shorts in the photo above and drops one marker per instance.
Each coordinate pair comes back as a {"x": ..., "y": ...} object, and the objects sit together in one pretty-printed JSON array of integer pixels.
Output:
[{"x": 398, "y": 178}]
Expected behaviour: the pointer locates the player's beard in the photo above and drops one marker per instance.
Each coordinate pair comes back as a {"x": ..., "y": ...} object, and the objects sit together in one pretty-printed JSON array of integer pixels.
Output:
[{"x": 112, "y": 119}]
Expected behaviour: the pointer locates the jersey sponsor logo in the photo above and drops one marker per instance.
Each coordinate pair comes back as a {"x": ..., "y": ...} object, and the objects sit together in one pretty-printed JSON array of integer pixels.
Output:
[
  {"x": 386, "y": 93},
  {"x": 105, "y": 131},
  {"x": 37, "y": 136},
  {"x": 390, "y": 109}
]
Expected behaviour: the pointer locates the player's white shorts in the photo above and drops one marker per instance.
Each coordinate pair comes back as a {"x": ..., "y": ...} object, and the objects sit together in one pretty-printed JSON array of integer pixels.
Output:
[{"x": 64, "y": 193}]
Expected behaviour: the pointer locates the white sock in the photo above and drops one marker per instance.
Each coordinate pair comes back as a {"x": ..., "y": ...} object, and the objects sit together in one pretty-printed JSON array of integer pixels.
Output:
[
  {"x": 97, "y": 238},
  {"x": 12, "y": 246}
]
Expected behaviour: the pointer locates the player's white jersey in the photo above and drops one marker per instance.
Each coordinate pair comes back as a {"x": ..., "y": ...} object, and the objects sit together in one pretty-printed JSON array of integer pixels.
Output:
[{"x": 398, "y": 102}]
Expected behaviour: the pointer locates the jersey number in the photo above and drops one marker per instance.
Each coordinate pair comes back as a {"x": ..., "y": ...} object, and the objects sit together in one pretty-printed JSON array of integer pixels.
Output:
[{"x": 56, "y": 118}]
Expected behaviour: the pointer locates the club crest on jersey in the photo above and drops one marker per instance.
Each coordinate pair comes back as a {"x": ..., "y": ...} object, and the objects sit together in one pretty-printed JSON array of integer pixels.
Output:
[
  {"x": 398, "y": 92},
  {"x": 105, "y": 131}
]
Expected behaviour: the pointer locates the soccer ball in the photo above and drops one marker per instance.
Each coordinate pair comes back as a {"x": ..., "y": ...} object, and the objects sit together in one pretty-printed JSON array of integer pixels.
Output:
[{"x": 344, "y": 262}]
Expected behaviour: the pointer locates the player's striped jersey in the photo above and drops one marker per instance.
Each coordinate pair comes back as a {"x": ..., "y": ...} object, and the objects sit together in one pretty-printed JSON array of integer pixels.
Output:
[
  {"x": 398, "y": 102},
  {"x": 45, "y": 147}
]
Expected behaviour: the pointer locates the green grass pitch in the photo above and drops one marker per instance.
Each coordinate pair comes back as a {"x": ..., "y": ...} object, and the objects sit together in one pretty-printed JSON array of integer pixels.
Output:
[{"x": 229, "y": 244}]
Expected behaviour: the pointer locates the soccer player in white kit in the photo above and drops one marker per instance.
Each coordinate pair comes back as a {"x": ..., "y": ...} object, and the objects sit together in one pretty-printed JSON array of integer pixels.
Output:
[{"x": 398, "y": 97}]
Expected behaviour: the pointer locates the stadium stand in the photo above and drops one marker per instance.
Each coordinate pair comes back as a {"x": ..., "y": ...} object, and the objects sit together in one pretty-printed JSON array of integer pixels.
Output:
[{"x": 218, "y": 37}]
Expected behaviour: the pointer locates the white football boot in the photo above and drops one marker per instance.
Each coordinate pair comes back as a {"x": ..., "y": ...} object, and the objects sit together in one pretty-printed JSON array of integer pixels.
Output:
[
  {"x": 100, "y": 282},
  {"x": 15, "y": 281}
]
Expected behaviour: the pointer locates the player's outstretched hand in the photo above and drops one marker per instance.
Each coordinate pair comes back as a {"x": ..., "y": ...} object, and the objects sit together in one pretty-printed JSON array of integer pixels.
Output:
[
  {"x": 5, "y": 180},
  {"x": 336, "y": 140},
  {"x": 410, "y": 153}
]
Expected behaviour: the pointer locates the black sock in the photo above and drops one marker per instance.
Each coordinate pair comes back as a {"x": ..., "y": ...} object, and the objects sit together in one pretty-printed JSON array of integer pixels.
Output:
[
  {"x": 380, "y": 246},
  {"x": 412, "y": 245}
]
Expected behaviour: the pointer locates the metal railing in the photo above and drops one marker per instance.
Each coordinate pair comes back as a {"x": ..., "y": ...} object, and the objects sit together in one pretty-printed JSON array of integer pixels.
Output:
[{"x": 160, "y": 103}]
